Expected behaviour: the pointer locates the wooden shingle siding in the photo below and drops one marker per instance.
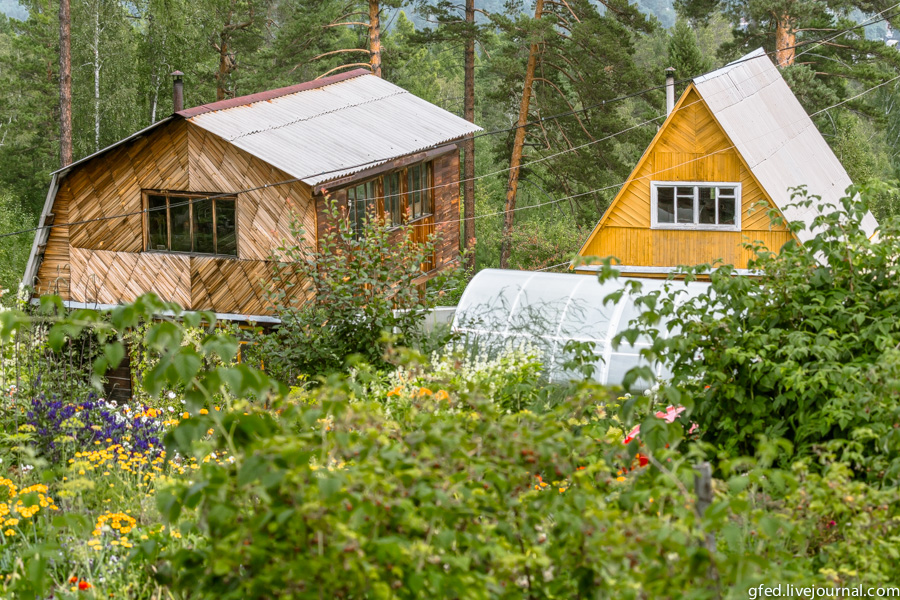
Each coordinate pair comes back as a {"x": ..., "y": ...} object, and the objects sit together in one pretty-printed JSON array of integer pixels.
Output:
[
  {"x": 690, "y": 147},
  {"x": 111, "y": 277},
  {"x": 264, "y": 215},
  {"x": 104, "y": 262}
]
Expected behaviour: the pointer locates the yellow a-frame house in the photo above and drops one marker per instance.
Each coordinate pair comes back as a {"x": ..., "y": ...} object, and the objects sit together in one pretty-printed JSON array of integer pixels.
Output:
[{"x": 732, "y": 148}]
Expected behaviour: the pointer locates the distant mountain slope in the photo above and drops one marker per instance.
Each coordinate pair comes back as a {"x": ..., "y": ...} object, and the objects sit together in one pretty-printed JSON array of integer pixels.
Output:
[{"x": 662, "y": 9}]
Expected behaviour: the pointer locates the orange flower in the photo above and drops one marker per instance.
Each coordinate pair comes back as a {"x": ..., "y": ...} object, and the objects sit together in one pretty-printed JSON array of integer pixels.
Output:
[
  {"x": 73, "y": 579},
  {"x": 84, "y": 585},
  {"x": 395, "y": 392}
]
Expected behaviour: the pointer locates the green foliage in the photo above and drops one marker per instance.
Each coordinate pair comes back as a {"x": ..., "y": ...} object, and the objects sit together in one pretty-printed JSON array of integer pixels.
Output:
[
  {"x": 684, "y": 52},
  {"x": 14, "y": 248},
  {"x": 360, "y": 293},
  {"x": 86, "y": 525},
  {"x": 455, "y": 498},
  {"x": 806, "y": 351}
]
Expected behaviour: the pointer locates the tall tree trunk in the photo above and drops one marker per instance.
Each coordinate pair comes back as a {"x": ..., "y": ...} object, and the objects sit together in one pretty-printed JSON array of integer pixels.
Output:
[
  {"x": 226, "y": 66},
  {"x": 374, "y": 37},
  {"x": 227, "y": 59},
  {"x": 785, "y": 40},
  {"x": 469, "y": 143},
  {"x": 516, "y": 160},
  {"x": 96, "y": 50},
  {"x": 65, "y": 84},
  {"x": 154, "y": 73}
]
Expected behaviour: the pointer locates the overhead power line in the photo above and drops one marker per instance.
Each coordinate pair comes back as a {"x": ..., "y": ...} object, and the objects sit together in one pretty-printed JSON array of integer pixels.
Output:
[{"x": 872, "y": 20}]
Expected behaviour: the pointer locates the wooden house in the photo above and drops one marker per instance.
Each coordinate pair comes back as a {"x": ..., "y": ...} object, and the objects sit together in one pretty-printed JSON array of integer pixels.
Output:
[
  {"x": 194, "y": 206},
  {"x": 730, "y": 150}
]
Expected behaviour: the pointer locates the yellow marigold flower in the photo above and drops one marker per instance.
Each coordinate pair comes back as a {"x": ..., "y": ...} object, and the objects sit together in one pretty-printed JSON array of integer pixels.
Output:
[
  {"x": 203, "y": 411},
  {"x": 9, "y": 533},
  {"x": 185, "y": 415},
  {"x": 620, "y": 478},
  {"x": 11, "y": 522}
]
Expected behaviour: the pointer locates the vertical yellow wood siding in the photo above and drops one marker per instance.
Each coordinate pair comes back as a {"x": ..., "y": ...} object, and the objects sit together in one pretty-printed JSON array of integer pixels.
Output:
[{"x": 691, "y": 147}]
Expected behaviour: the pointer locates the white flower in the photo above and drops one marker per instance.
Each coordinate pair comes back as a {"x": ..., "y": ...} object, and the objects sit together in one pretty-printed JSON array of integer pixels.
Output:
[{"x": 171, "y": 395}]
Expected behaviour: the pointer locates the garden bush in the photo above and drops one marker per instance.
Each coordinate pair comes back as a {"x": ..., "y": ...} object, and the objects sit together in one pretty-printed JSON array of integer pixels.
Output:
[
  {"x": 363, "y": 288},
  {"x": 456, "y": 498},
  {"x": 806, "y": 350}
]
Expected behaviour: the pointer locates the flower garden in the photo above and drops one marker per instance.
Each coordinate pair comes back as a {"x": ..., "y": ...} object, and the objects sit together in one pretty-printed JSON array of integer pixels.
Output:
[{"x": 435, "y": 469}]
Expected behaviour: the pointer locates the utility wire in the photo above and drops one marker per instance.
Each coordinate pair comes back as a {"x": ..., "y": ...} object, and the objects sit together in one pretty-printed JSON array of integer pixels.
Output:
[
  {"x": 484, "y": 216},
  {"x": 494, "y": 132}
]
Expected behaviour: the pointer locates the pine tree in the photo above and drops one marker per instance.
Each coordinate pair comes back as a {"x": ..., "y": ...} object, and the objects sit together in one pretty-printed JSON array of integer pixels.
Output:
[{"x": 684, "y": 52}]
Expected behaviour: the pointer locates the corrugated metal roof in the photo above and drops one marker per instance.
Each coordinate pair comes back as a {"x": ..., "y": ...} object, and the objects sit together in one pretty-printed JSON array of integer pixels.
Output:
[
  {"x": 780, "y": 143},
  {"x": 334, "y": 129}
]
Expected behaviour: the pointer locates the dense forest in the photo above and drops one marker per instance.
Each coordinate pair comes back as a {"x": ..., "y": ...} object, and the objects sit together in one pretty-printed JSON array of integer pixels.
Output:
[{"x": 595, "y": 103}]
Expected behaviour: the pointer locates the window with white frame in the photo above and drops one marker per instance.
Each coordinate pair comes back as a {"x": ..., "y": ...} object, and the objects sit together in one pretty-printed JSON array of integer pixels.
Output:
[{"x": 695, "y": 205}]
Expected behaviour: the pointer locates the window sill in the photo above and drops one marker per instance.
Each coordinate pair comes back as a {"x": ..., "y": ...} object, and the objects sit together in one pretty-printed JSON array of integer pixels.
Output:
[
  {"x": 676, "y": 227},
  {"x": 195, "y": 254}
]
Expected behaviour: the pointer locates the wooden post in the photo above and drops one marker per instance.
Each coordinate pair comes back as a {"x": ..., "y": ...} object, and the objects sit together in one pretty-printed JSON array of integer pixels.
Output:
[
  {"x": 469, "y": 143},
  {"x": 65, "y": 84},
  {"x": 516, "y": 160},
  {"x": 374, "y": 38}
]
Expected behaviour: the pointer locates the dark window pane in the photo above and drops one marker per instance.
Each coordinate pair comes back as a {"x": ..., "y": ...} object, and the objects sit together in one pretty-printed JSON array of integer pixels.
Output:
[
  {"x": 665, "y": 205},
  {"x": 371, "y": 200},
  {"x": 707, "y": 206},
  {"x": 357, "y": 198},
  {"x": 226, "y": 228},
  {"x": 684, "y": 205},
  {"x": 415, "y": 190},
  {"x": 157, "y": 223},
  {"x": 180, "y": 215},
  {"x": 726, "y": 209},
  {"x": 427, "y": 190},
  {"x": 203, "y": 226},
  {"x": 392, "y": 199}
]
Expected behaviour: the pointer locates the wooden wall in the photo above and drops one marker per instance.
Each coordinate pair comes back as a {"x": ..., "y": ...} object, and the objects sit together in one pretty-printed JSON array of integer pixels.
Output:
[
  {"x": 691, "y": 147},
  {"x": 177, "y": 156},
  {"x": 444, "y": 221}
]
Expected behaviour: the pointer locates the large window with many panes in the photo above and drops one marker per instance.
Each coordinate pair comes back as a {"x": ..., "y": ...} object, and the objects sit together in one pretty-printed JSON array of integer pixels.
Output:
[
  {"x": 400, "y": 197},
  {"x": 695, "y": 205},
  {"x": 195, "y": 223}
]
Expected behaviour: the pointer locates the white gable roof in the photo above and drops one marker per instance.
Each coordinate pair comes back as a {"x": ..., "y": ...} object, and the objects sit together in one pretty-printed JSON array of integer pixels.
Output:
[{"x": 780, "y": 143}]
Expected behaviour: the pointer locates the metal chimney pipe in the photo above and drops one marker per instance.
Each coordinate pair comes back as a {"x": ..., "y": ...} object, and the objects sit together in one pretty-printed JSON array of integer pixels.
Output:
[
  {"x": 670, "y": 90},
  {"x": 177, "y": 91}
]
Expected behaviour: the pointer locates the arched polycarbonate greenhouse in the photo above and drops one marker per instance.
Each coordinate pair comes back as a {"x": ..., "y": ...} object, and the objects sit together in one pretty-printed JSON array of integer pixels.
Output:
[{"x": 550, "y": 309}]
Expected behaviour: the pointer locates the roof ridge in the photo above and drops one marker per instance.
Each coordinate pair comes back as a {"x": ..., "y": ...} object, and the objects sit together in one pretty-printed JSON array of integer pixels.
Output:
[
  {"x": 726, "y": 69},
  {"x": 397, "y": 92},
  {"x": 271, "y": 94}
]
